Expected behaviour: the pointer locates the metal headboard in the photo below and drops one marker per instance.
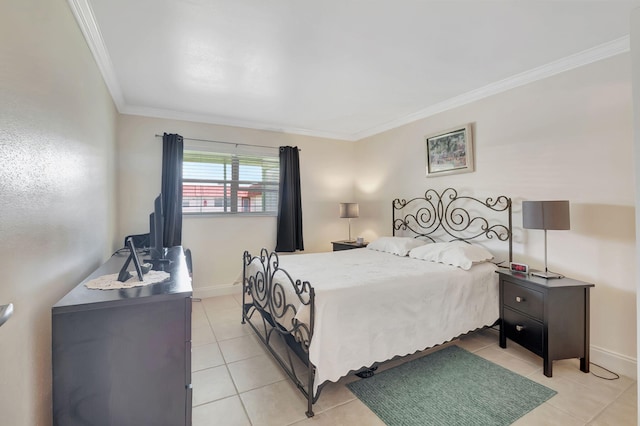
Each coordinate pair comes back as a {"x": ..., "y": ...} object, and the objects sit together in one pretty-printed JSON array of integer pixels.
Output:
[{"x": 454, "y": 217}]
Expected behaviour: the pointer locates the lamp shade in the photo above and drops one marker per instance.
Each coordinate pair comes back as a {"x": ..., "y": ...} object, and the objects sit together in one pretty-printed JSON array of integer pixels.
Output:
[
  {"x": 349, "y": 210},
  {"x": 552, "y": 215}
]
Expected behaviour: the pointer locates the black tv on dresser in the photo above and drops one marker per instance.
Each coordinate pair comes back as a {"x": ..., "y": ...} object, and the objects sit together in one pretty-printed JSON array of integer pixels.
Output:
[{"x": 156, "y": 230}]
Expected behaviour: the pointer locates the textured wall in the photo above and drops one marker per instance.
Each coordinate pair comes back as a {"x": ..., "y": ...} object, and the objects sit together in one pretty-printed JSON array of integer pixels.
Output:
[
  {"x": 565, "y": 137},
  {"x": 57, "y": 199}
]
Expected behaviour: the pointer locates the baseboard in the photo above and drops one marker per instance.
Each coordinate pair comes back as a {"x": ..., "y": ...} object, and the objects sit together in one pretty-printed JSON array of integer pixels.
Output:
[
  {"x": 618, "y": 363},
  {"x": 216, "y": 290}
]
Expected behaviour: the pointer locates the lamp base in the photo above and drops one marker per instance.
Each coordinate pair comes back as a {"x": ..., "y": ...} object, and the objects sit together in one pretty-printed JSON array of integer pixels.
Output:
[{"x": 546, "y": 274}]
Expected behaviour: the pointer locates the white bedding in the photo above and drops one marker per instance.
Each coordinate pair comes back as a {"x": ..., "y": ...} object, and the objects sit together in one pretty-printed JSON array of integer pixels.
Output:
[{"x": 372, "y": 306}]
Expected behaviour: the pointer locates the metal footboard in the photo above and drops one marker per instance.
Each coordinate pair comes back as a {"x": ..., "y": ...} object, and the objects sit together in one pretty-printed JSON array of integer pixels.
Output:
[{"x": 271, "y": 301}]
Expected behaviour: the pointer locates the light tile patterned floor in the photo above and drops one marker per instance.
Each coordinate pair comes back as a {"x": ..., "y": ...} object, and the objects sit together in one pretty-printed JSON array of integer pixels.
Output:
[{"x": 237, "y": 382}]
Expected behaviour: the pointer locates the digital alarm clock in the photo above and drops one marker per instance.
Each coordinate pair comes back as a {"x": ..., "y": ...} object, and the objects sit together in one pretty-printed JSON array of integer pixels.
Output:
[{"x": 519, "y": 267}]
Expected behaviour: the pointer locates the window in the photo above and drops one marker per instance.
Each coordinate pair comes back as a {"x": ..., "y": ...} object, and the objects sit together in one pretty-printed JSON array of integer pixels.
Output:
[{"x": 229, "y": 179}]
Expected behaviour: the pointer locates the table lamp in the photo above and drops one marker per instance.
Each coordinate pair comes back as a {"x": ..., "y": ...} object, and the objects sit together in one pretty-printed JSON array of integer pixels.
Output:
[
  {"x": 546, "y": 215},
  {"x": 349, "y": 210}
]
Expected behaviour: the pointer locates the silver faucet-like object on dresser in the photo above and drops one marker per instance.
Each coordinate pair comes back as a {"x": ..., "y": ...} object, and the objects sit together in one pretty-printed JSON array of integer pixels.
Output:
[{"x": 5, "y": 313}]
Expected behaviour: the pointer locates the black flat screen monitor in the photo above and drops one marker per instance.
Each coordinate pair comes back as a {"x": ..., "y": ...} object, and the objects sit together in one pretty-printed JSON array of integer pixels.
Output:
[
  {"x": 156, "y": 230},
  {"x": 124, "y": 274}
]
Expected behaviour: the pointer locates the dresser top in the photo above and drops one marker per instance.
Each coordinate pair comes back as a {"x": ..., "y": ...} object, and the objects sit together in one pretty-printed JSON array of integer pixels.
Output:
[{"x": 177, "y": 285}]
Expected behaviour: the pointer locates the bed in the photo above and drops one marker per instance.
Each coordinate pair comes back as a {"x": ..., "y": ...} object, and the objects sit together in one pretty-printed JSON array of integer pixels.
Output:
[{"x": 326, "y": 315}]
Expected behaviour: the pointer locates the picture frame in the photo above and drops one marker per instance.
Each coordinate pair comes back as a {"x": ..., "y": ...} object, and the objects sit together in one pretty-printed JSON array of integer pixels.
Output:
[
  {"x": 124, "y": 274},
  {"x": 450, "y": 152}
]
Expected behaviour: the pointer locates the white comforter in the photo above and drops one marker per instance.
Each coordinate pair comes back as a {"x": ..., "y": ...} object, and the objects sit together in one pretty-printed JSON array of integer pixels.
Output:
[{"x": 372, "y": 306}]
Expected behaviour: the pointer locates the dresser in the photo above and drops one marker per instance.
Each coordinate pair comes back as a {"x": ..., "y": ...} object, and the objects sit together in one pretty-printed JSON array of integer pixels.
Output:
[
  {"x": 123, "y": 357},
  {"x": 550, "y": 317}
]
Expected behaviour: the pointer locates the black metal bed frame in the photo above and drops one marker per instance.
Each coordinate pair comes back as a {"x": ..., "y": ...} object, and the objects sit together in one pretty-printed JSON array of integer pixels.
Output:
[{"x": 455, "y": 217}]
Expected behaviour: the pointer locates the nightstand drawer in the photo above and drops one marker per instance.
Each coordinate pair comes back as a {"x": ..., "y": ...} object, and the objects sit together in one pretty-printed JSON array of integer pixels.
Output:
[
  {"x": 523, "y": 299},
  {"x": 339, "y": 247},
  {"x": 347, "y": 245},
  {"x": 523, "y": 330}
]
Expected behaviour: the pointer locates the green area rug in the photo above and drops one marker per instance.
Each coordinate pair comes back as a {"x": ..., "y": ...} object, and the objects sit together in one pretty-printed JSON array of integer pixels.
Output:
[{"x": 450, "y": 387}]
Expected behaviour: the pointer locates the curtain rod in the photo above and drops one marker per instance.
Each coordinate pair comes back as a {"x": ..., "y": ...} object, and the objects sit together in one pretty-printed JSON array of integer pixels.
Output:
[{"x": 228, "y": 143}]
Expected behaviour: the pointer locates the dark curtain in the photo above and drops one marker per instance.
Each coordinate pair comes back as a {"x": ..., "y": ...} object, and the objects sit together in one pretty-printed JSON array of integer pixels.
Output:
[
  {"x": 290, "y": 202},
  {"x": 172, "y": 147}
]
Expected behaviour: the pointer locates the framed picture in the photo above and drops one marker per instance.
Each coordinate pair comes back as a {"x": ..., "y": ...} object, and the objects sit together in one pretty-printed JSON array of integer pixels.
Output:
[{"x": 450, "y": 152}]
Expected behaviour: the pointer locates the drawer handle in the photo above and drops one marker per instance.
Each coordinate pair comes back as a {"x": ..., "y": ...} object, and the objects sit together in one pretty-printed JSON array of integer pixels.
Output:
[
  {"x": 519, "y": 327},
  {"x": 519, "y": 299}
]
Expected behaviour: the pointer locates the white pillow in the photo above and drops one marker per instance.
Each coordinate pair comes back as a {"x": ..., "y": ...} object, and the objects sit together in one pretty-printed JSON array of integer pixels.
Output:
[
  {"x": 455, "y": 253},
  {"x": 399, "y": 246}
]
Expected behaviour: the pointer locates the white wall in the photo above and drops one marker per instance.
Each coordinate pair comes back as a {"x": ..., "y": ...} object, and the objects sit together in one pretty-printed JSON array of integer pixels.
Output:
[
  {"x": 217, "y": 242},
  {"x": 565, "y": 137},
  {"x": 57, "y": 199}
]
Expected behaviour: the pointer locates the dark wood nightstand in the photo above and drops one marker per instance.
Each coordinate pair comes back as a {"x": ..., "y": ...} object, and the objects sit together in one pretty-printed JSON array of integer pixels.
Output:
[
  {"x": 347, "y": 245},
  {"x": 548, "y": 317}
]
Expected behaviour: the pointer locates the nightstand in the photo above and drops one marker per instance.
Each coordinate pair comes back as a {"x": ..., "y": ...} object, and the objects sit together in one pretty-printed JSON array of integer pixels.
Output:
[
  {"x": 548, "y": 317},
  {"x": 347, "y": 245}
]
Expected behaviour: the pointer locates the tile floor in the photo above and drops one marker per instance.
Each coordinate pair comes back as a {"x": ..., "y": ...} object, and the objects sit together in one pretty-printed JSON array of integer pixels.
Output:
[{"x": 236, "y": 382}]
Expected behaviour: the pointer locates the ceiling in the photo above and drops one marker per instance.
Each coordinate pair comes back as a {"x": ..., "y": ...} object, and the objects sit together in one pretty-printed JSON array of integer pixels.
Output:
[{"x": 342, "y": 69}]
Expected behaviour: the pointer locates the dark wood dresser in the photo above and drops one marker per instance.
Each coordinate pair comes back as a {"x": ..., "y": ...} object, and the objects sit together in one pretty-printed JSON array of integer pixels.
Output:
[
  {"x": 123, "y": 357},
  {"x": 550, "y": 317}
]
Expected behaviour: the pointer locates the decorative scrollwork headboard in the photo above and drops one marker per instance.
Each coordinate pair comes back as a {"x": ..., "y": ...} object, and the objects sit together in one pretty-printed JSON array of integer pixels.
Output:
[
  {"x": 449, "y": 216},
  {"x": 276, "y": 295}
]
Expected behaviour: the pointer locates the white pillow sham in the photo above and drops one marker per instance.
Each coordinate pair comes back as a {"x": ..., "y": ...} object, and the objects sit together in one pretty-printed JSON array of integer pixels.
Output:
[
  {"x": 400, "y": 246},
  {"x": 455, "y": 253}
]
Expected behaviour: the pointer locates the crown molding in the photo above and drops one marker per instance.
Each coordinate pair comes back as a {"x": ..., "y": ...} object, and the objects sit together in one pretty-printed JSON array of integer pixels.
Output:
[
  {"x": 86, "y": 21},
  {"x": 225, "y": 121},
  {"x": 597, "y": 53}
]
